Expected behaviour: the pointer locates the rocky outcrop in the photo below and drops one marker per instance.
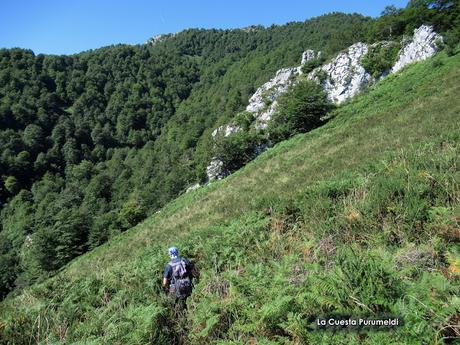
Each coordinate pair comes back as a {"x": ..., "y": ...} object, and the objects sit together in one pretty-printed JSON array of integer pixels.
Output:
[
  {"x": 263, "y": 102},
  {"x": 424, "y": 44},
  {"x": 265, "y": 116},
  {"x": 226, "y": 130},
  {"x": 193, "y": 187},
  {"x": 216, "y": 170},
  {"x": 272, "y": 89},
  {"x": 310, "y": 55},
  {"x": 344, "y": 76},
  {"x": 159, "y": 38},
  {"x": 28, "y": 242}
]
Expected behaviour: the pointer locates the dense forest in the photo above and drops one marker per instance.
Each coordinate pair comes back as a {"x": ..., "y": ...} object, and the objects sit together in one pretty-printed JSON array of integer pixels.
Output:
[{"x": 92, "y": 143}]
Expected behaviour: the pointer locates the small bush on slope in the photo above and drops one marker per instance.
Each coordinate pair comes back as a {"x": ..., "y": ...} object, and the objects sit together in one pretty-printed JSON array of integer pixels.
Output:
[
  {"x": 380, "y": 58},
  {"x": 300, "y": 110},
  {"x": 238, "y": 149}
]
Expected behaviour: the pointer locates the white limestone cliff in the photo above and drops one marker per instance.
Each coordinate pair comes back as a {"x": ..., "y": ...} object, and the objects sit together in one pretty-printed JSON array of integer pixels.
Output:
[
  {"x": 215, "y": 169},
  {"x": 159, "y": 38},
  {"x": 344, "y": 75},
  {"x": 424, "y": 44},
  {"x": 263, "y": 102},
  {"x": 342, "y": 78},
  {"x": 272, "y": 89},
  {"x": 193, "y": 187}
]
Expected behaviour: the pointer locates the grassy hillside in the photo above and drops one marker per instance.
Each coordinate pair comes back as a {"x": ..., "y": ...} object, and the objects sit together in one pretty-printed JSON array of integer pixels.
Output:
[
  {"x": 359, "y": 217},
  {"x": 93, "y": 143}
]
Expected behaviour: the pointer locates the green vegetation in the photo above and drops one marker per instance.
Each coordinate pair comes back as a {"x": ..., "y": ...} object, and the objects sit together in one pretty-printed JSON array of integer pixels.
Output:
[
  {"x": 239, "y": 148},
  {"x": 90, "y": 144},
  {"x": 310, "y": 65},
  {"x": 300, "y": 110},
  {"x": 380, "y": 58},
  {"x": 359, "y": 216},
  {"x": 396, "y": 22}
]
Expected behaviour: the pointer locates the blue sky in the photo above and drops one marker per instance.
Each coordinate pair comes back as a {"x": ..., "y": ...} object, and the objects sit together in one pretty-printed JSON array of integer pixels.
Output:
[{"x": 71, "y": 26}]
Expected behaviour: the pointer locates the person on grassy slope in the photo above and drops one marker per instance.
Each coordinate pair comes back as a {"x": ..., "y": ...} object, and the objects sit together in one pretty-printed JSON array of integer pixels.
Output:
[{"x": 177, "y": 277}]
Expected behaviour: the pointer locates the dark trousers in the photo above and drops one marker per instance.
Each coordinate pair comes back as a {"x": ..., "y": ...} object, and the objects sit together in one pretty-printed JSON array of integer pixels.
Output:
[{"x": 180, "y": 303}]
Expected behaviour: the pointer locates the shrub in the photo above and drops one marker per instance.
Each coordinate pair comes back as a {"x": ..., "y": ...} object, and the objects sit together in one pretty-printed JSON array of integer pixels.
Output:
[
  {"x": 132, "y": 212},
  {"x": 380, "y": 58},
  {"x": 310, "y": 65},
  {"x": 300, "y": 110},
  {"x": 11, "y": 184},
  {"x": 244, "y": 120},
  {"x": 362, "y": 282},
  {"x": 451, "y": 39},
  {"x": 237, "y": 149},
  {"x": 320, "y": 75}
]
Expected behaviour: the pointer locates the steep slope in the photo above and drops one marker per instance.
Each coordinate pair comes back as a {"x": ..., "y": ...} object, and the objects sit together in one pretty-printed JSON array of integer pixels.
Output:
[
  {"x": 358, "y": 217},
  {"x": 92, "y": 143},
  {"x": 342, "y": 78}
]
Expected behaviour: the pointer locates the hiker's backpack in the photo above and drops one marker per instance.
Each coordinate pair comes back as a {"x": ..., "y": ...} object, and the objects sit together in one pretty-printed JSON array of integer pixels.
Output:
[{"x": 181, "y": 278}]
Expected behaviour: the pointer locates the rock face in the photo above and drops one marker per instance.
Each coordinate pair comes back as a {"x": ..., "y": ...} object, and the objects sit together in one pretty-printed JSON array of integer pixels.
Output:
[
  {"x": 344, "y": 76},
  {"x": 226, "y": 130},
  {"x": 272, "y": 89},
  {"x": 263, "y": 102},
  {"x": 159, "y": 38},
  {"x": 216, "y": 170},
  {"x": 28, "y": 241},
  {"x": 309, "y": 55},
  {"x": 193, "y": 187},
  {"x": 341, "y": 78},
  {"x": 424, "y": 44},
  {"x": 265, "y": 116}
]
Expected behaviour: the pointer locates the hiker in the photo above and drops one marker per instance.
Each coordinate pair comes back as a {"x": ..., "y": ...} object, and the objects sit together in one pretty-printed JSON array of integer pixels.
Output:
[{"x": 177, "y": 278}]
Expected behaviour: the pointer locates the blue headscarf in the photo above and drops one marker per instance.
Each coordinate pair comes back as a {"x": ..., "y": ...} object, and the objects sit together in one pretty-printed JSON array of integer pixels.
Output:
[{"x": 173, "y": 252}]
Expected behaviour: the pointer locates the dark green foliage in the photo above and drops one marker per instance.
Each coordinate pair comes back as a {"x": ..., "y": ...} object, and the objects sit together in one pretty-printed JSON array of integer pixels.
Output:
[
  {"x": 11, "y": 184},
  {"x": 238, "y": 149},
  {"x": 394, "y": 23},
  {"x": 131, "y": 213},
  {"x": 312, "y": 64},
  {"x": 390, "y": 25},
  {"x": 320, "y": 75},
  {"x": 60, "y": 242},
  {"x": 380, "y": 58},
  {"x": 451, "y": 39},
  {"x": 300, "y": 110},
  {"x": 244, "y": 120},
  {"x": 8, "y": 265}
]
